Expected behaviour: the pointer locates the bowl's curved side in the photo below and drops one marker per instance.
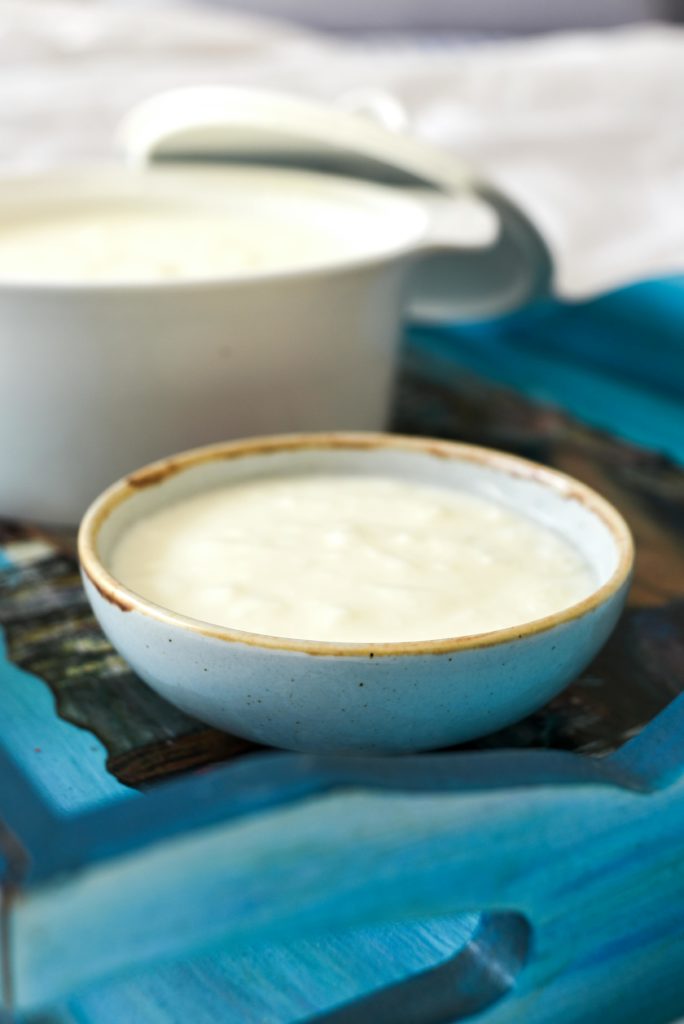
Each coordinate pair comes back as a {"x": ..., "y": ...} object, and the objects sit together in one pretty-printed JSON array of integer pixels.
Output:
[{"x": 330, "y": 704}]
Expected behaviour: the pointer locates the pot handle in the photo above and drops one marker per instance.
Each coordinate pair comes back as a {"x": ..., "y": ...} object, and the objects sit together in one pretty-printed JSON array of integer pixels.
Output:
[{"x": 457, "y": 280}]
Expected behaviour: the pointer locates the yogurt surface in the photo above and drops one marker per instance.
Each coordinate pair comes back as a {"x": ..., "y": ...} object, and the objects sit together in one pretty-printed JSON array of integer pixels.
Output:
[
  {"x": 120, "y": 241},
  {"x": 350, "y": 559}
]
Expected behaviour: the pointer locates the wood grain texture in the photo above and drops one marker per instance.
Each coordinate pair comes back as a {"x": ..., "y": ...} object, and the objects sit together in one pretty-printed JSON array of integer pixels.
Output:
[
  {"x": 290, "y": 982},
  {"x": 592, "y": 868}
]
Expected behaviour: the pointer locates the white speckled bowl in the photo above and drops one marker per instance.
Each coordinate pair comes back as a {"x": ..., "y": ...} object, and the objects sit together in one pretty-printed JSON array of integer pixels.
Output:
[{"x": 341, "y": 697}]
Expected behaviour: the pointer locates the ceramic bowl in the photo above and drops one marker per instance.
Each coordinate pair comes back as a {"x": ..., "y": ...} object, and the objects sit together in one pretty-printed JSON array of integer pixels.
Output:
[{"x": 384, "y": 698}]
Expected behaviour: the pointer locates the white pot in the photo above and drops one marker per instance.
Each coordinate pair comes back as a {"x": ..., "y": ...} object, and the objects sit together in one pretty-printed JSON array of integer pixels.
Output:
[{"x": 100, "y": 377}]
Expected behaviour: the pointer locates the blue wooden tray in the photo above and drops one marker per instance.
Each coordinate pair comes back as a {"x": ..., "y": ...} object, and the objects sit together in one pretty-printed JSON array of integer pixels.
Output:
[{"x": 523, "y": 884}]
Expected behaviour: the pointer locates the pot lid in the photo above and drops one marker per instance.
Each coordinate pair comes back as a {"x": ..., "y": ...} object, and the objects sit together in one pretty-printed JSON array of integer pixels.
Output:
[
  {"x": 362, "y": 136},
  {"x": 255, "y": 126}
]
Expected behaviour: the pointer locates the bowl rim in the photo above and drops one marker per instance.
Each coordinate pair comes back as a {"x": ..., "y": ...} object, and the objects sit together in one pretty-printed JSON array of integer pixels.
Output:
[
  {"x": 71, "y": 180},
  {"x": 114, "y": 592}
]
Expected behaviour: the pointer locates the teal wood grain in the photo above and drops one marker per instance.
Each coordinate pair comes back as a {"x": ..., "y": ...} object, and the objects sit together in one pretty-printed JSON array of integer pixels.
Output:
[
  {"x": 277, "y": 984},
  {"x": 634, "y": 333},
  {"x": 581, "y": 863},
  {"x": 252, "y": 786},
  {"x": 616, "y": 362},
  {"x": 66, "y": 765}
]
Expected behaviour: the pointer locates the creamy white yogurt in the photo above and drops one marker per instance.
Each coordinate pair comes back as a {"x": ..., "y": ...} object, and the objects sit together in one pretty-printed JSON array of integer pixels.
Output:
[
  {"x": 131, "y": 242},
  {"x": 350, "y": 558}
]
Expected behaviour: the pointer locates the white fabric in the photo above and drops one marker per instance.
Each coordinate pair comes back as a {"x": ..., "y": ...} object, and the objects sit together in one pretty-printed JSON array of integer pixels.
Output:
[{"x": 585, "y": 130}]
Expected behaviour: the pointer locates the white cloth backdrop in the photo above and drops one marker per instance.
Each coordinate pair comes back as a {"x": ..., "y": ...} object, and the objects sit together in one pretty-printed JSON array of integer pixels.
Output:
[{"x": 585, "y": 130}]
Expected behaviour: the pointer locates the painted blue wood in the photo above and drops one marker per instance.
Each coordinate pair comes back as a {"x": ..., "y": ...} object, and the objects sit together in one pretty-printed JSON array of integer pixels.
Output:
[
  {"x": 636, "y": 333},
  {"x": 278, "y": 984},
  {"x": 616, "y": 363},
  {"x": 578, "y": 861},
  {"x": 250, "y": 786},
  {"x": 65, "y": 764},
  {"x": 49, "y": 768}
]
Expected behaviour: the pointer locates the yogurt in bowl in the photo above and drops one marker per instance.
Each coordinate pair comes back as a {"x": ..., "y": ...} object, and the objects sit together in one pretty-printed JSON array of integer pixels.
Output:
[
  {"x": 347, "y": 558},
  {"x": 361, "y": 593}
]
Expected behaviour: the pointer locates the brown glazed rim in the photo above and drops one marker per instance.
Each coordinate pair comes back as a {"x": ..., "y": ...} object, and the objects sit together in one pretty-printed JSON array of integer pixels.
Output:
[{"x": 155, "y": 473}]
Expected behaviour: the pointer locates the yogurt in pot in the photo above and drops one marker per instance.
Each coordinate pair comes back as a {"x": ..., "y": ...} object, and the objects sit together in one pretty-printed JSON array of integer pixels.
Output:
[{"x": 115, "y": 242}]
